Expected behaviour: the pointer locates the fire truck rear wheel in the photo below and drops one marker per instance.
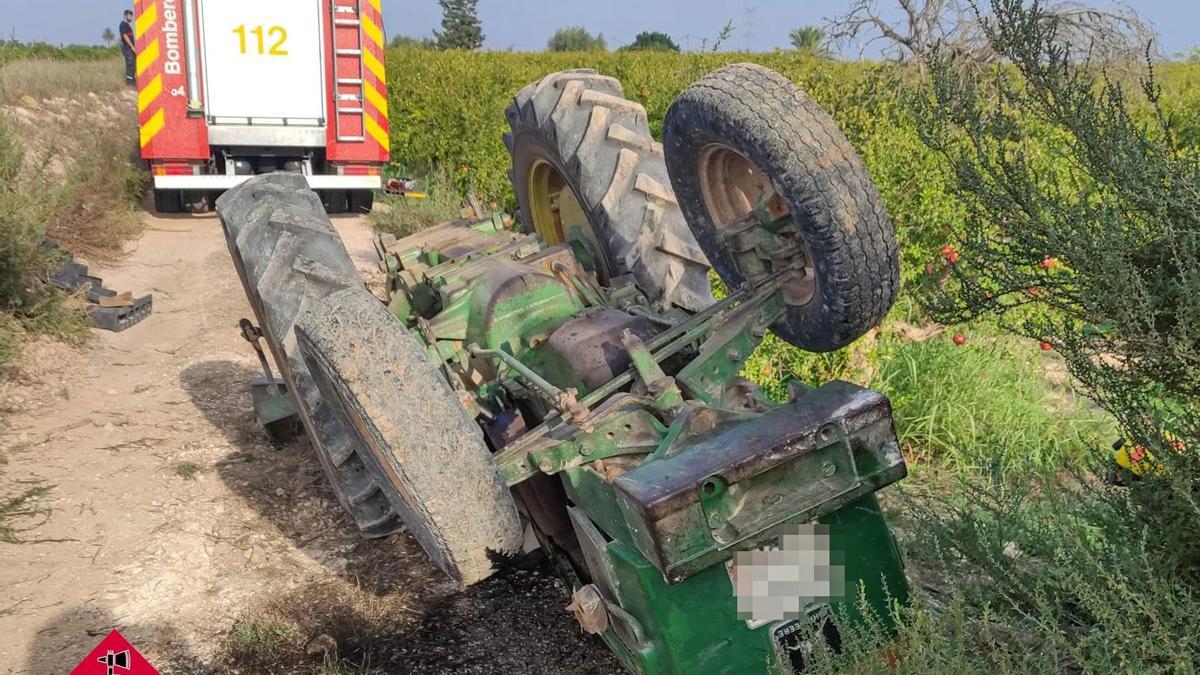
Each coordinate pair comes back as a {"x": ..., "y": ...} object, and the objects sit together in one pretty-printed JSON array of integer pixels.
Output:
[
  {"x": 336, "y": 201},
  {"x": 585, "y": 165},
  {"x": 168, "y": 201},
  {"x": 362, "y": 201},
  {"x": 289, "y": 256},
  {"x": 436, "y": 468}
]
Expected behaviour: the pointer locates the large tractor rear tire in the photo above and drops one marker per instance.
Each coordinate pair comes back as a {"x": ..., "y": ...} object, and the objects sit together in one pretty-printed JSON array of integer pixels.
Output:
[
  {"x": 745, "y": 134},
  {"x": 376, "y": 378},
  {"x": 583, "y": 156},
  {"x": 289, "y": 257}
]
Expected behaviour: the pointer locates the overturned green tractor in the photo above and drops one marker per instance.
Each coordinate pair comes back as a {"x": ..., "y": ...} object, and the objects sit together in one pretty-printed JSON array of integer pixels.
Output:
[{"x": 574, "y": 386}]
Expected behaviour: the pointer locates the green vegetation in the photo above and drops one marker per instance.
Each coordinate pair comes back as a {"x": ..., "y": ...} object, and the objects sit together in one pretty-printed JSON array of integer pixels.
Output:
[
  {"x": 409, "y": 42},
  {"x": 188, "y": 470},
  {"x": 41, "y": 78},
  {"x": 984, "y": 404},
  {"x": 461, "y": 28},
  {"x": 1120, "y": 298},
  {"x": 810, "y": 40},
  {"x": 16, "y": 510},
  {"x": 257, "y": 640},
  {"x": 403, "y": 216},
  {"x": 651, "y": 41},
  {"x": 15, "y": 50},
  {"x": 26, "y": 303},
  {"x": 576, "y": 39}
]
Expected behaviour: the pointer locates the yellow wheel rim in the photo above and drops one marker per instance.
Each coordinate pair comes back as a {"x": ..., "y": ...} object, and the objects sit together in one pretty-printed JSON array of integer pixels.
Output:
[
  {"x": 556, "y": 211},
  {"x": 547, "y": 192}
]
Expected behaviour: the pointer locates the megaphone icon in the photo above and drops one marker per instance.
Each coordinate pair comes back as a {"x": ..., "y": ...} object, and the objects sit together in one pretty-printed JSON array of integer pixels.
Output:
[{"x": 113, "y": 661}]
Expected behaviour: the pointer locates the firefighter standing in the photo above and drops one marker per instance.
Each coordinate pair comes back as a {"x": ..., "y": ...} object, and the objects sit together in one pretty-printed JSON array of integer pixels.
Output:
[{"x": 127, "y": 49}]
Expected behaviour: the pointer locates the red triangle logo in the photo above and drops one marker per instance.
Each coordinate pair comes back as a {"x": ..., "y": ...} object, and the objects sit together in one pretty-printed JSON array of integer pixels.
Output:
[{"x": 114, "y": 656}]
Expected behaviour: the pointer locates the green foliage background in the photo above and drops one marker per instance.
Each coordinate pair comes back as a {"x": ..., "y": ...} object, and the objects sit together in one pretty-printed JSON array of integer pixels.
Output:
[
  {"x": 12, "y": 51},
  {"x": 447, "y": 113}
]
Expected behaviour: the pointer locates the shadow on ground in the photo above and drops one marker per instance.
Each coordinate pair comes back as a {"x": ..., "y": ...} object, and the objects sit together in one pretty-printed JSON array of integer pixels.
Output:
[
  {"x": 67, "y": 638},
  {"x": 382, "y": 607}
]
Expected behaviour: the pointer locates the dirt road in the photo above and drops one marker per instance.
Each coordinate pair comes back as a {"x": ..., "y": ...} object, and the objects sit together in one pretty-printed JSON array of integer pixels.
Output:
[{"x": 166, "y": 513}]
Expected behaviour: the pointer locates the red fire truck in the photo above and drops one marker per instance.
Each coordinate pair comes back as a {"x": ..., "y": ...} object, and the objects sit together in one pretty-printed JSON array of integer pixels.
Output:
[{"x": 232, "y": 88}]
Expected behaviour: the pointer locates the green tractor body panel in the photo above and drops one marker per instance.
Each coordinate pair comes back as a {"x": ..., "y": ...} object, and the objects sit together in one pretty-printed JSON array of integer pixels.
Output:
[{"x": 693, "y": 627}]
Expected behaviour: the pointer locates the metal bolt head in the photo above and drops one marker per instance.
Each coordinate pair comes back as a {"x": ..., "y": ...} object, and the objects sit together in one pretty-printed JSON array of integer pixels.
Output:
[{"x": 828, "y": 469}]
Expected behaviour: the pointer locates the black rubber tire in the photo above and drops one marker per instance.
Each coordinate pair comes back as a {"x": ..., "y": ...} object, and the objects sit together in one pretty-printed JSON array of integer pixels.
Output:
[
  {"x": 811, "y": 164},
  {"x": 336, "y": 201},
  {"x": 168, "y": 201},
  {"x": 289, "y": 256},
  {"x": 599, "y": 142},
  {"x": 440, "y": 473},
  {"x": 361, "y": 201}
]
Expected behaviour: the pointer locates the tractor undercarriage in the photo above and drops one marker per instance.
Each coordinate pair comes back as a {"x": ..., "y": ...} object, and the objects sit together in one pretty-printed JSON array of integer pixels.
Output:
[{"x": 575, "y": 387}]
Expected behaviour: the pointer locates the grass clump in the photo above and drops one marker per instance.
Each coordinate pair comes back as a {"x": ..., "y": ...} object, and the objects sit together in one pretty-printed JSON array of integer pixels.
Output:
[
  {"x": 1026, "y": 573},
  {"x": 80, "y": 189},
  {"x": 967, "y": 407},
  {"x": 95, "y": 209},
  {"x": 27, "y": 304},
  {"x": 402, "y": 216},
  {"x": 188, "y": 470},
  {"x": 955, "y": 407},
  {"x": 260, "y": 640}
]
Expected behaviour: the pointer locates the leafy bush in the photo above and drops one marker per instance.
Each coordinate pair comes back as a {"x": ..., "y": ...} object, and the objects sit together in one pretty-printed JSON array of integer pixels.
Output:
[
  {"x": 1083, "y": 231},
  {"x": 460, "y": 128},
  {"x": 576, "y": 39},
  {"x": 652, "y": 41}
]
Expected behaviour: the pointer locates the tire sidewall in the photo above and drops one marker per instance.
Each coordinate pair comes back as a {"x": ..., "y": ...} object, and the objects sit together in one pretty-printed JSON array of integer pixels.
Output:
[{"x": 687, "y": 132}]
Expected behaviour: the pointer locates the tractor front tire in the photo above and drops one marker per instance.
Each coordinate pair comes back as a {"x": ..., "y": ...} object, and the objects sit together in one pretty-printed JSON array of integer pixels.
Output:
[
  {"x": 744, "y": 133},
  {"x": 289, "y": 257},
  {"x": 376, "y": 378},
  {"x": 582, "y": 151}
]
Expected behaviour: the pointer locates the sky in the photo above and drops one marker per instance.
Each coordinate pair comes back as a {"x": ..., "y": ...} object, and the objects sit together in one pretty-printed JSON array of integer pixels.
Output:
[{"x": 760, "y": 25}]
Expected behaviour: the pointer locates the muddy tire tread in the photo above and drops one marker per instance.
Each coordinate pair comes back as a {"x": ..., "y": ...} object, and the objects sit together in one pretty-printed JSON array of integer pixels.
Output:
[
  {"x": 816, "y": 169},
  {"x": 441, "y": 474},
  {"x": 289, "y": 256},
  {"x": 600, "y": 141}
]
